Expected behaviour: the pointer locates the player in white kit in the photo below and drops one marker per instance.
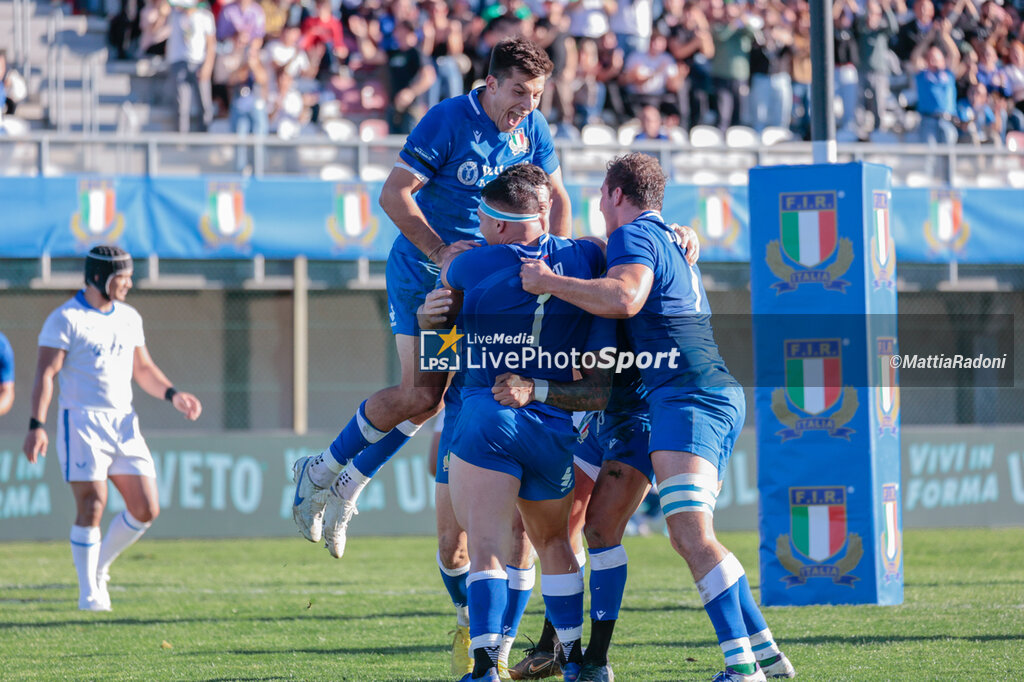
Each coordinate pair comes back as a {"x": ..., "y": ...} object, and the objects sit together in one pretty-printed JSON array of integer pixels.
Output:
[{"x": 96, "y": 345}]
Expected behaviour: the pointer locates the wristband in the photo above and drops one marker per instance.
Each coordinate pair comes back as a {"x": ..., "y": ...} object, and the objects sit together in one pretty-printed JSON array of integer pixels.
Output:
[
  {"x": 435, "y": 251},
  {"x": 34, "y": 424},
  {"x": 170, "y": 393},
  {"x": 540, "y": 390}
]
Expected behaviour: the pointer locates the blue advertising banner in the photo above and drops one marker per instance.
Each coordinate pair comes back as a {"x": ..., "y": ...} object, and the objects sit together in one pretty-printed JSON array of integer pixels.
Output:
[
  {"x": 823, "y": 295},
  {"x": 211, "y": 217}
]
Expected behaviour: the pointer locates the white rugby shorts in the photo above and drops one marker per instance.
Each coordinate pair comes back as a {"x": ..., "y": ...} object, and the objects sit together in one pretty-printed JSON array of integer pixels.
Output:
[{"x": 92, "y": 445}]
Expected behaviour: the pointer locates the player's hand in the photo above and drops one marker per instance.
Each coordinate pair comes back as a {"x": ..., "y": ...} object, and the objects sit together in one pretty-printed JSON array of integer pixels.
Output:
[
  {"x": 35, "y": 445},
  {"x": 445, "y": 255},
  {"x": 436, "y": 306},
  {"x": 534, "y": 274},
  {"x": 188, "y": 405},
  {"x": 689, "y": 241},
  {"x": 512, "y": 390}
]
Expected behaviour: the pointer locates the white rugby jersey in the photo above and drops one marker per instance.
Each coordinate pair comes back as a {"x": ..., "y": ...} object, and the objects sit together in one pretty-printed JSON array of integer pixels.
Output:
[{"x": 97, "y": 372}]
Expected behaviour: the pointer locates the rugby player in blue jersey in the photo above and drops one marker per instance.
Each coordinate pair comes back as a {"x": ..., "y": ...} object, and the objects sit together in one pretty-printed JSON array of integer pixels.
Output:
[
  {"x": 437, "y": 312},
  {"x": 432, "y": 196},
  {"x": 614, "y": 457},
  {"x": 503, "y": 458},
  {"x": 697, "y": 408}
]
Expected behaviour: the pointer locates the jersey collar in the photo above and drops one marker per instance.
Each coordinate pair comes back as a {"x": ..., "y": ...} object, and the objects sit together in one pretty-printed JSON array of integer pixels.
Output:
[
  {"x": 80, "y": 297},
  {"x": 534, "y": 250}
]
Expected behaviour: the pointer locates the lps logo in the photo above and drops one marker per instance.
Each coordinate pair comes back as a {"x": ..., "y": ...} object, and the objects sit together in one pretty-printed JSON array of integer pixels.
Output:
[
  {"x": 809, "y": 238},
  {"x": 97, "y": 219},
  {"x": 892, "y": 539},
  {"x": 352, "y": 223},
  {"x": 945, "y": 230},
  {"x": 817, "y": 522},
  {"x": 716, "y": 225},
  {"x": 225, "y": 222},
  {"x": 440, "y": 352},
  {"x": 814, "y": 385},
  {"x": 887, "y": 390},
  {"x": 883, "y": 248}
]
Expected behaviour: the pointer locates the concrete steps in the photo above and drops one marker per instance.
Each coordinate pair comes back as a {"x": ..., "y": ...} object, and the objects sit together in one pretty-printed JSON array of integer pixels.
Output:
[{"x": 140, "y": 84}]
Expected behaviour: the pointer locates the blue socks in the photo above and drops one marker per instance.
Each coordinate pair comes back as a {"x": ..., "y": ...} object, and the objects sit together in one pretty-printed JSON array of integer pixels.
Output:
[
  {"x": 720, "y": 592},
  {"x": 357, "y": 435},
  {"x": 520, "y": 587},
  {"x": 607, "y": 581},
  {"x": 376, "y": 455}
]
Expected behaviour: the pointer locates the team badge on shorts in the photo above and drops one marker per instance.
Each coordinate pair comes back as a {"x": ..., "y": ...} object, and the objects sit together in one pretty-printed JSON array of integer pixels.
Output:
[
  {"x": 439, "y": 352},
  {"x": 809, "y": 251},
  {"x": 814, "y": 387},
  {"x": 892, "y": 539},
  {"x": 97, "y": 219},
  {"x": 883, "y": 248},
  {"x": 818, "y": 532}
]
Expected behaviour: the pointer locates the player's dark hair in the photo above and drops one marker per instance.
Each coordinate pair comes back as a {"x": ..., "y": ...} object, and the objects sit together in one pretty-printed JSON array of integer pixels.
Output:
[
  {"x": 640, "y": 178},
  {"x": 511, "y": 193},
  {"x": 103, "y": 263},
  {"x": 531, "y": 173},
  {"x": 518, "y": 53}
]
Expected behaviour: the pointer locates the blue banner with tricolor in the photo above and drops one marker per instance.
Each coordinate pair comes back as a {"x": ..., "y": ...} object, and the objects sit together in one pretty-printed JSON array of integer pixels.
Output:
[
  {"x": 823, "y": 274},
  {"x": 230, "y": 217}
]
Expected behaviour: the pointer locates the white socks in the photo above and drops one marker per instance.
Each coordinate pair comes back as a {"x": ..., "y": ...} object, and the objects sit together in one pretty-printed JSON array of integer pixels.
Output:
[
  {"x": 124, "y": 530},
  {"x": 85, "y": 551}
]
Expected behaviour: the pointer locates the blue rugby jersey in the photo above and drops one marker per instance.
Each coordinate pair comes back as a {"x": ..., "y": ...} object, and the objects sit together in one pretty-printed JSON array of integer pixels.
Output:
[
  {"x": 495, "y": 306},
  {"x": 676, "y": 314},
  {"x": 457, "y": 149}
]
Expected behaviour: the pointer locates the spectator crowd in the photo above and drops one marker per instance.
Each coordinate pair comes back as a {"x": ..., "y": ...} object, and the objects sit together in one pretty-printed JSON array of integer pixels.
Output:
[{"x": 931, "y": 71}]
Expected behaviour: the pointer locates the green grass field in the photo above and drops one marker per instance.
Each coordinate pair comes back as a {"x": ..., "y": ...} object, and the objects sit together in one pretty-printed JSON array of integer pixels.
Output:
[{"x": 283, "y": 609}]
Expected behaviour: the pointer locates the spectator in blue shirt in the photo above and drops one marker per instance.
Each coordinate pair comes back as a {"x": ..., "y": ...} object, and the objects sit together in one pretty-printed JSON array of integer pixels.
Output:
[
  {"x": 936, "y": 85},
  {"x": 977, "y": 120}
]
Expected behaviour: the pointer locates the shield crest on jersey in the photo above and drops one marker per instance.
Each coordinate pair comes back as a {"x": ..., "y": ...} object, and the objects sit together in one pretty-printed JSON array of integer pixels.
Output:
[
  {"x": 518, "y": 143},
  {"x": 814, "y": 373},
  {"x": 808, "y": 226},
  {"x": 818, "y": 521}
]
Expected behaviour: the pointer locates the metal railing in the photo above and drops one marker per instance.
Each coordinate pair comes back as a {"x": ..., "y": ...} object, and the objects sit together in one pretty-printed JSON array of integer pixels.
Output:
[
  {"x": 56, "y": 53},
  {"x": 184, "y": 154},
  {"x": 20, "y": 58}
]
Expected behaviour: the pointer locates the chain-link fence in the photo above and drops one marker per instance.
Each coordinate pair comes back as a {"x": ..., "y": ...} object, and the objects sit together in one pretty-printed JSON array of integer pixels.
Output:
[{"x": 230, "y": 339}]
